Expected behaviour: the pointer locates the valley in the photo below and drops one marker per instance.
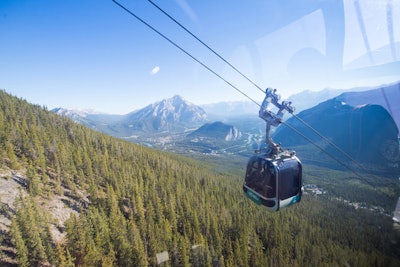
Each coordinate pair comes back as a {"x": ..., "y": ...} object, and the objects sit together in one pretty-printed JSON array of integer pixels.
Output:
[
  {"x": 150, "y": 133},
  {"x": 88, "y": 198}
]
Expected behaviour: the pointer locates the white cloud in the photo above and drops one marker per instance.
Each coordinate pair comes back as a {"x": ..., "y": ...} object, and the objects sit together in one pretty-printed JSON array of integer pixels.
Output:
[
  {"x": 155, "y": 70},
  {"x": 188, "y": 10}
]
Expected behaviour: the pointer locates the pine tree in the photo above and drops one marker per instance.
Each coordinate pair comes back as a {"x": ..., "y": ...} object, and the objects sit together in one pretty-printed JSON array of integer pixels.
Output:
[
  {"x": 139, "y": 257},
  {"x": 143, "y": 202},
  {"x": 34, "y": 181},
  {"x": 77, "y": 236},
  {"x": 22, "y": 250},
  {"x": 69, "y": 260},
  {"x": 63, "y": 257}
]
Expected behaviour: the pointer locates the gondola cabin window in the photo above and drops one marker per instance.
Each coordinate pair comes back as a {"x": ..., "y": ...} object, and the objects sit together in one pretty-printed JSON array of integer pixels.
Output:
[{"x": 289, "y": 179}]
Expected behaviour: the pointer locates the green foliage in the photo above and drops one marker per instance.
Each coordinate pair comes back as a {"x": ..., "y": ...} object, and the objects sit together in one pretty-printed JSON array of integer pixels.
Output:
[
  {"x": 63, "y": 257},
  {"x": 31, "y": 235},
  {"x": 19, "y": 243},
  {"x": 143, "y": 202}
]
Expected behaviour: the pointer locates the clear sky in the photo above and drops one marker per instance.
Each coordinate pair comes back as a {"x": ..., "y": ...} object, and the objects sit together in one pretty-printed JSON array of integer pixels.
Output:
[{"x": 91, "y": 54}]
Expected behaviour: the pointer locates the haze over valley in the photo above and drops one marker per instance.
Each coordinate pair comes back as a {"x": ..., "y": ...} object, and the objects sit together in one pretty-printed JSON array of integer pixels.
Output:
[{"x": 131, "y": 133}]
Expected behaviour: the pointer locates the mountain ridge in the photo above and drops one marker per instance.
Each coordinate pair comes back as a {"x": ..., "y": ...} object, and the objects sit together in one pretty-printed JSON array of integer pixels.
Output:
[
  {"x": 143, "y": 202},
  {"x": 366, "y": 132},
  {"x": 387, "y": 96},
  {"x": 171, "y": 114},
  {"x": 167, "y": 124},
  {"x": 166, "y": 115}
]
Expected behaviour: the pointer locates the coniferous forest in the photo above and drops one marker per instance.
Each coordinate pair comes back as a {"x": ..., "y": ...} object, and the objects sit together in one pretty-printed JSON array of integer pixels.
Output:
[{"x": 139, "y": 202}]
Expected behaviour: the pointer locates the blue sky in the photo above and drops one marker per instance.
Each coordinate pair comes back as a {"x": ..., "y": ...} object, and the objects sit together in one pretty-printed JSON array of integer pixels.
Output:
[{"x": 91, "y": 54}]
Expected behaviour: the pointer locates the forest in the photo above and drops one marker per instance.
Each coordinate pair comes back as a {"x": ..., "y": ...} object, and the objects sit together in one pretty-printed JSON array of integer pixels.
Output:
[{"x": 143, "y": 202}]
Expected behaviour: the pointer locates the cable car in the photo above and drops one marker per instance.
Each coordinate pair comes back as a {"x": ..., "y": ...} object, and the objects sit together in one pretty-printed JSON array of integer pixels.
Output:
[
  {"x": 273, "y": 176},
  {"x": 274, "y": 182}
]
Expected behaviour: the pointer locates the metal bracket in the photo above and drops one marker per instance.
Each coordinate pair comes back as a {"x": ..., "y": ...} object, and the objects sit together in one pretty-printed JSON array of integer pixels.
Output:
[{"x": 273, "y": 119}]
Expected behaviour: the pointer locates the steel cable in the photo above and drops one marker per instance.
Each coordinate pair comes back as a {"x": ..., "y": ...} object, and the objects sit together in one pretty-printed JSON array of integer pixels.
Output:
[{"x": 233, "y": 86}]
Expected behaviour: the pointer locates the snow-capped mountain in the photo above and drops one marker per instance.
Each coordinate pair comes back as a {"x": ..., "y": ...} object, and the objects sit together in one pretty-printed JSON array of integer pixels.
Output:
[
  {"x": 167, "y": 115},
  {"x": 74, "y": 113},
  {"x": 172, "y": 114},
  {"x": 91, "y": 118}
]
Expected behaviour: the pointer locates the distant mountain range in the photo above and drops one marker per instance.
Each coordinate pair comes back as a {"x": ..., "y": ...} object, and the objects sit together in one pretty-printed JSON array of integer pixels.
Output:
[
  {"x": 172, "y": 124},
  {"x": 301, "y": 101},
  {"x": 367, "y": 133},
  {"x": 92, "y": 119},
  {"x": 307, "y": 99},
  {"x": 387, "y": 96},
  {"x": 175, "y": 121},
  {"x": 66, "y": 191},
  {"x": 169, "y": 115},
  {"x": 176, "y": 114},
  {"x": 173, "y": 114}
]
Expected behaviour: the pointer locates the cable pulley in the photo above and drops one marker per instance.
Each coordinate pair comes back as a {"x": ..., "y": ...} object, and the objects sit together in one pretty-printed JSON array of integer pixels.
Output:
[
  {"x": 280, "y": 164},
  {"x": 259, "y": 88}
]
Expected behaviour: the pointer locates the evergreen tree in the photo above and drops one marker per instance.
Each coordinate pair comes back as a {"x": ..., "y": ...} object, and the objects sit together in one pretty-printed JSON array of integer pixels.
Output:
[
  {"x": 63, "y": 257},
  {"x": 19, "y": 242},
  {"x": 143, "y": 202}
]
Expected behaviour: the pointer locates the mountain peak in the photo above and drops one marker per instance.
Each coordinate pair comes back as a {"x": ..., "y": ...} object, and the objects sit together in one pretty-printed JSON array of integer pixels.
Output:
[
  {"x": 177, "y": 98},
  {"x": 70, "y": 112},
  {"x": 168, "y": 114},
  {"x": 173, "y": 102}
]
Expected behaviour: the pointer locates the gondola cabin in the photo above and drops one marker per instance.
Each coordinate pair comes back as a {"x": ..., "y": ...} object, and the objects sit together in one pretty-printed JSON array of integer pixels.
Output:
[{"x": 274, "y": 182}]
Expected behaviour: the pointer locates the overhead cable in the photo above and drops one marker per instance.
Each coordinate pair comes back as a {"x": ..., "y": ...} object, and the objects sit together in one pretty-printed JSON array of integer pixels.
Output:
[
  {"x": 248, "y": 79},
  {"x": 327, "y": 140},
  {"x": 233, "y": 86},
  {"x": 184, "y": 51},
  {"x": 212, "y": 50},
  {"x": 326, "y": 152}
]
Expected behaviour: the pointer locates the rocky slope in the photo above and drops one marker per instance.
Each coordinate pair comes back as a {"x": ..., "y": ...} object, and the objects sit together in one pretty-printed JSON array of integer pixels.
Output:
[
  {"x": 13, "y": 186},
  {"x": 167, "y": 115},
  {"x": 217, "y": 131}
]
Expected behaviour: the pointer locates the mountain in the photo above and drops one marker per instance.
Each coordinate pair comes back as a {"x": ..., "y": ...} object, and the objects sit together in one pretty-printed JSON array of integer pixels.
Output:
[
  {"x": 303, "y": 100},
  {"x": 93, "y": 119},
  {"x": 74, "y": 113},
  {"x": 72, "y": 196},
  {"x": 80, "y": 116},
  {"x": 367, "y": 132},
  {"x": 166, "y": 123},
  {"x": 217, "y": 131},
  {"x": 307, "y": 99},
  {"x": 387, "y": 96},
  {"x": 173, "y": 114}
]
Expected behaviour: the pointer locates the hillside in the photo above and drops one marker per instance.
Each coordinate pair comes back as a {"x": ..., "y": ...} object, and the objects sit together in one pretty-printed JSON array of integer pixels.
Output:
[
  {"x": 307, "y": 99},
  {"x": 367, "y": 133},
  {"x": 218, "y": 131},
  {"x": 134, "y": 206},
  {"x": 387, "y": 96}
]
